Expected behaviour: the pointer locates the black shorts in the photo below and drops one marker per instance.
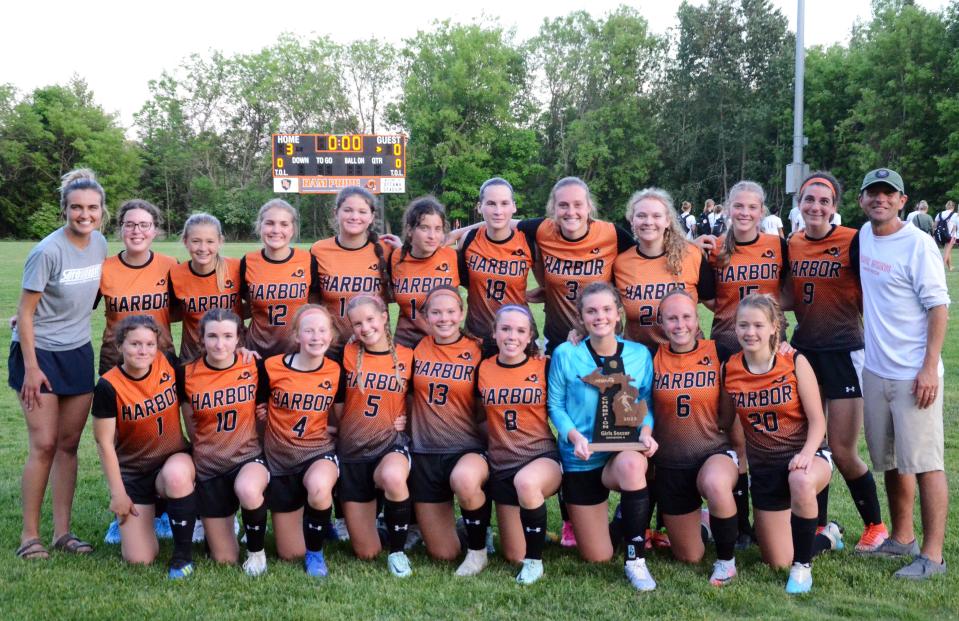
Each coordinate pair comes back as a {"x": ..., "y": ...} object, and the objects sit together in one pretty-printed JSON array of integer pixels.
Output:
[
  {"x": 142, "y": 488},
  {"x": 356, "y": 477},
  {"x": 585, "y": 487},
  {"x": 836, "y": 374},
  {"x": 215, "y": 497},
  {"x": 286, "y": 492},
  {"x": 675, "y": 489},
  {"x": 501, "y": 487},
  {"x": 769, "y": 486},
  {"x": 70, "y": 372},
  {"x": 430, "y": 475}
]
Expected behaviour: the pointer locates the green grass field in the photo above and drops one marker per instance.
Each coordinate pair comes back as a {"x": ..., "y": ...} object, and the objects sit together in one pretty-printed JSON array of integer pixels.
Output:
[{"x": 101, "y": 586}]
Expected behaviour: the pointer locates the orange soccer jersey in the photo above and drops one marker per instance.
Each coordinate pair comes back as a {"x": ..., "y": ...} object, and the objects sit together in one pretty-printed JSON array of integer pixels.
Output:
[
  {"x": 274, "y": 290},
  {"x": 495, "y": 274},
  {"x": 373, "y": 397},
  {"x": 133, "y": 290},
  {"x": 755, "y": 267},
  {"x": 686, "y": 391},
  {"x": 343, "y": 274},
  {"x": 195, "y": 294},
  {"x": 412, "y": 279},
  {"x": 298, "y": 407},
  {"x": 443, "y": 414},
  {"x": 224, "y": 419},
  {"x": 827, "y": 297},
  {"x": 569, "y": 265},
  {"x": 769, "y": 409},
  {"x": 514, "y": 399},
  {"x": 642, "y": 281},
  {"x": 147, "y": 412}
]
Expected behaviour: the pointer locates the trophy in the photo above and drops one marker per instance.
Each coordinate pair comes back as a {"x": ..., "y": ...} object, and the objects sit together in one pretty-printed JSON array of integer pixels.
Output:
[{"x": 618, "y": 414}]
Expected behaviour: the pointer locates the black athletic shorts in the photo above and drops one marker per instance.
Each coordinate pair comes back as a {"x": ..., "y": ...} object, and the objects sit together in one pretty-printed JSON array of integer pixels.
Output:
[
  {"x": 356, "y": 477},
  {"x": 585, "y": 487},
  {"x": 430, "y": 475},
  {"x": 215, "y": 498},
  {"x": 836, "y": 374},
  {"x": 501, "y": 487},
  {"x": 286, "y": 492},
  {"x": 675, "y": 489},
  {"x": 769, "y": 486},
  {"x": 142, "y": 488}
]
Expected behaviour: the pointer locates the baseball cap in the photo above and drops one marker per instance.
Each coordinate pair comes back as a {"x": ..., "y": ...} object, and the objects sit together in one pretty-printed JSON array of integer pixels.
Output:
[{"x": 883, "y": 175}]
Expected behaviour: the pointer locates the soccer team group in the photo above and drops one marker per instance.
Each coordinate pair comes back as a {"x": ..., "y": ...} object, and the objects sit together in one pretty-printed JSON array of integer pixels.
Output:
[{"x": 315, "y": 403}]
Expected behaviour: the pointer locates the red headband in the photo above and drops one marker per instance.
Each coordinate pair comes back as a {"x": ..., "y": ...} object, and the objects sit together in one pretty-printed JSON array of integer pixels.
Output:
[{"x": 820, "y": 180}]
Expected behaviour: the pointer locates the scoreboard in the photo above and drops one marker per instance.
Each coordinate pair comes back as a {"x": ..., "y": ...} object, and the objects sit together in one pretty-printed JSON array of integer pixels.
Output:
[{"x": 325, "y": 163}]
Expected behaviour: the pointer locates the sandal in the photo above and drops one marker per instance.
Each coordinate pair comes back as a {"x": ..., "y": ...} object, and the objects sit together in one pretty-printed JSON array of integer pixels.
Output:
[
  {"x": 32, "y": 549},
  {"x": 72, "y": 544}
]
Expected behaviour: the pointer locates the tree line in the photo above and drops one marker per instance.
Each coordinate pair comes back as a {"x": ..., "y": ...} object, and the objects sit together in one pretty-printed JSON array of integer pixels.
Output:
[{"x": 692, "y": 110}]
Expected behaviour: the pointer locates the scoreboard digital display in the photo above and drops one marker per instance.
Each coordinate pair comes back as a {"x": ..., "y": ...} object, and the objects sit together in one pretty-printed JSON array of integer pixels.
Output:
[{"x": 325, "y": 163}]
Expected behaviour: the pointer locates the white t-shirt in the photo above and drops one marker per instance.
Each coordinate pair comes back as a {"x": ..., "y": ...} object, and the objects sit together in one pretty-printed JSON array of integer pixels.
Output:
[
  {"x": 953, "y": 221},
  {"x": 796, "y": 222},
  {"x": 836, "y": 219},
  {"x": 771, "y": 224},
  {"x": 690, "y": 221},
  {"x": 911, "y": 216},
  {"x": 902, "y": 278}
]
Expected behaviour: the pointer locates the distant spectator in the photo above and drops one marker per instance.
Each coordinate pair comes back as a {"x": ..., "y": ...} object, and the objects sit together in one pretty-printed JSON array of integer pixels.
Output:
[
  {"x": 945, "y": 231},
  {"x": 688, "y": 220},
  {"x": 796, "y": 222},
  {"x": 920, "y": 217},
  {"x": 772, "y": 223}
]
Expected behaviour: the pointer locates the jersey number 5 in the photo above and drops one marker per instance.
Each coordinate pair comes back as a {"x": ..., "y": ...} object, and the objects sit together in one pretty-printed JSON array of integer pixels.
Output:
[{"x": 372, "y": 405}]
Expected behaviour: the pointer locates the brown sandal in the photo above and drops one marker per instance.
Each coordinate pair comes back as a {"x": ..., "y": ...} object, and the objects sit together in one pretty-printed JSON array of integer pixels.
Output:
[
  {"x": 72, "y": 544},
  {"x": 32, "y": 549}
]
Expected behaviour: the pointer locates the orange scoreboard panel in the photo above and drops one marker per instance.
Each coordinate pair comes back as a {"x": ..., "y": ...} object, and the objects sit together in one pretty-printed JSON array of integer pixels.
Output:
[{"x": 325, "y": 163}]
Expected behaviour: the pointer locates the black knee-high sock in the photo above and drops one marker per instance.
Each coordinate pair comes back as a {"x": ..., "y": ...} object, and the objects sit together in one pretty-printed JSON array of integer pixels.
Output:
[
  {"x": 822, "y": 499},
  {"x": 254, "y": 523},
  {"x": 476, "y": 522},
  {"x": 396, "y": 514},
  {"x": 635, "y": 519},
  {"x": 804, "y": 532},
  {"x": 534, "y": 530},
  {"x": 863, "y": 492},
  {"x": 161, "y": 507},
  {"x": 337, "y": 505},
  {"x": 315, "y": 523},
  {"x": 182, "y": 512},
  {"x": 741, "y": 493},
  {"x": 725, "y": 531},
  {"x": 563, "y": 511}
]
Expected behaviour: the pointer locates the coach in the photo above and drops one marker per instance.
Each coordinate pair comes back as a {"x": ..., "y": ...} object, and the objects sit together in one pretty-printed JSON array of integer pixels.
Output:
[{"x": 905, "y": 309}]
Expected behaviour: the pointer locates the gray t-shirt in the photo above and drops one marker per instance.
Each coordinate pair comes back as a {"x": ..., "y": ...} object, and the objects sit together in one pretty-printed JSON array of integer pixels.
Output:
[{"x": 68, "y": 279}]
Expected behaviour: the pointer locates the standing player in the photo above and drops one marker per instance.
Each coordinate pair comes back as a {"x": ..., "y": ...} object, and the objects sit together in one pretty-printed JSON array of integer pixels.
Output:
[
  {"x": 827, "y": 299},
  {"x": 352, "y": 262},
  {"x": 574, "y": 405},
  {"x": 207, "y": 281},
  {"x": 300, "y": 450},
  {"x": 695, "y": 459},
  {"x": 661, "y": 260},
  {"x": 422, "y": 263},
  {"x": 276, "y": 280},
  {"x": 144, "y": 456},
  {"x": 218, "y": 394},
  {"x": 524, "y": 462},
  {"x": 777, "y": 401},
  {"x": 373, "y": 450},
  {"x": 447, "y": 443},
  {"x": 51, "y": 358}
]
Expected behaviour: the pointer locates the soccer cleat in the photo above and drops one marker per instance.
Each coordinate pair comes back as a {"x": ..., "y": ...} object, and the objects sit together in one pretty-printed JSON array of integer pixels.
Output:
[
  {"x": 180, "y": 570},
  {"x": 339, "y": 528},
  {"x": 399, "y": 564},
  {"x": 705, "y": 529},
  {"x": 315, "y": 564},
  {"x": 568, "y": 538},
  {"x": 199, "y": 534},
  {"x": 833, "y": 532},
  {"x": 161, "y": 526},
  {"x": 745, "y": 540},
  {"x": 638, "y": 575},
  {"x": 490, "y": 544},
  {"x": 255, "y": 563},
  {"x": 891, "y": 548},
  {"x": 872, "y": 537},
  {"x": 531, "y": 572},
  {"x": 921, "y": 568},
  {"x": 473, "y": 564},
  {"x": 413, "y": 536},
  {"x": 723, "y": 572},
  {"x": 800, "y": 579},
  {"x": 113, "y": 533},
  {"x": 660, "y": 539}
]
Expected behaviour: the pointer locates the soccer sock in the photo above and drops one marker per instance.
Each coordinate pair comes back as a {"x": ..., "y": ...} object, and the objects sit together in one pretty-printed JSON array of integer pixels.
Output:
[
  {"x": 396, "y": 514},
  {"x": 534, "y": 530},
  {"x": 741, "y": 493},
  {"x": 182, "y": 512},
  {"x": 563, "y": 511},
  {"x": 337, "y": 505},
  {"x": 863, "y": 492},
  {"x": 822, "y": 499},
  {"x": 161, "y": 507},
  {"x": 315, "y": 523},
  {"x": 635, "y": 518},
  {"x": 254, "y": 523},
  {"x": 476, "y": 522},
  {"x": 725, "y": 531},
  {"x": 804, "y": 533}
]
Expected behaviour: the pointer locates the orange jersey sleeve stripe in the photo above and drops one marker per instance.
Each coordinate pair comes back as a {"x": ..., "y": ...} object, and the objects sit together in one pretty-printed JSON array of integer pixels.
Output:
[
  {"x": 195, "y": 294},
  {"x": 274, "y": 290},
  {"x": 443, "y": 415}
]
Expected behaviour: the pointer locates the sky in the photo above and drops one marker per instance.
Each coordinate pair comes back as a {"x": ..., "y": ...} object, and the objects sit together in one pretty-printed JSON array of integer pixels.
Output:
[{"x": 119, "y": 46}]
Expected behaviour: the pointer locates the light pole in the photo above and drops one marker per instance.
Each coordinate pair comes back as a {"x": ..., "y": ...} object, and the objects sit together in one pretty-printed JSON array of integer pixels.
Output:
[{"x": 797, "y": 170}]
